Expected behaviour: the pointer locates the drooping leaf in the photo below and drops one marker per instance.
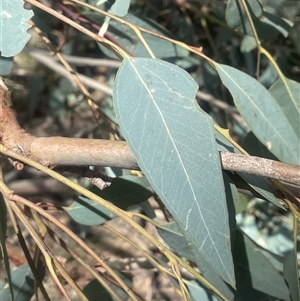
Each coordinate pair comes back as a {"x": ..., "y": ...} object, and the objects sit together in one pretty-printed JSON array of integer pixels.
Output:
[
  {"x": 124, "y": 192},
  {"x": 174, "y": 144},
  {"x": 254, "y": 271},
  {"x": 282, "y": 25},
  {"x": 286, "y": 92},
  {"x": 131, "y": 42},
  {"x": 237, "y": 18},
  {"x": 291, "y": 274},
  {"x": 175, "y": 239},
  {"x": 262, "y": 113},
  {"x": 22, "y": 285},
  {"x": 13, "y": 28}
]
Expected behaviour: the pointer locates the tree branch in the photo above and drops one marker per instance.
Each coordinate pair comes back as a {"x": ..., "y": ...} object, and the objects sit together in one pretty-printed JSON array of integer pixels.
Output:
[{"x": 60, "y": 151}]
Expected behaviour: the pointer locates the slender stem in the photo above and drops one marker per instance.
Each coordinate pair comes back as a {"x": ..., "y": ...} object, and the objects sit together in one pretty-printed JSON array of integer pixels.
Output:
[{"x": 246, "y": 9}]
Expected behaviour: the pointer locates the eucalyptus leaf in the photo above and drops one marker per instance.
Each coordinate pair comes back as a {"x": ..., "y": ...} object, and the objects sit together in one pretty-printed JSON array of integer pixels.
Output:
[
  {"x": 120, "y": 8},
  {"x": 174, "y": 144},
  {"x": 14, "y": 25},
  {"x": 282, "y": 25},
  {"x": 237, "y": 18},
  {"x": 291, "y": 274},
  {"x": 254, "y": 271},
  {"x": 133, "y": 44},
  {"x": 6, "y": 64},
  {"x": 22, "y": 285},
  {"x": 174, "y": 238},
  {"x": 262, "y": 113},
  {"x": 287, "y": 92},
  {"x": 172, "y": 234},
  {"x": 198, "y": 292}
]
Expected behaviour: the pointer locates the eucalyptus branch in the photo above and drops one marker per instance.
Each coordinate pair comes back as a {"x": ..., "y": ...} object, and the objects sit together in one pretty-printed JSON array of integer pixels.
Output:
[
  {"x": 261, "y": 167},
  {"x": 61, "y": 151}
]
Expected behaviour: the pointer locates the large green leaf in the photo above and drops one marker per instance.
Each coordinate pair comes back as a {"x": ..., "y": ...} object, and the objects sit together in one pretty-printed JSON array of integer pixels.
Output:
[
  {"x": 174, "y": 144},
  {"x": 262, "y": 113},
  {"x": 287, "y": 94}
]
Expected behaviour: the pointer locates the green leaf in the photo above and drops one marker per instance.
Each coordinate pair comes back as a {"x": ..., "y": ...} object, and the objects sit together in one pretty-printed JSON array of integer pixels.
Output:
[
  {"x": 172, "y": 235},
  {"x": 95, "y": 291},
  {"x": 254, "y": 271},
  {"x": 131, "y": 42},
  {"x": 237, "y": 19},
  {"x": 286, "y": 92},
  {"x": 22, "y": 285},
  {"x": 255, "y": 148},
  {"x": 268, "y": 76},
  {"x": 291, "y": 274},
  {"x": 175, "y": 239},
  {"x": 173, "y": 141},
  {"x": 6, "y": 64},
  {"x": 197, "y": 292},
  {"x": 282, "y": 25},
  {"x": 123, "y": 192},
  {"x": 13, "y": 28},
  {"x": 262, "y": 113},
  {"x": 248, "y": 44},
  {"x": 120, "y": 8},
  {"x": 236, "y": 16}
]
